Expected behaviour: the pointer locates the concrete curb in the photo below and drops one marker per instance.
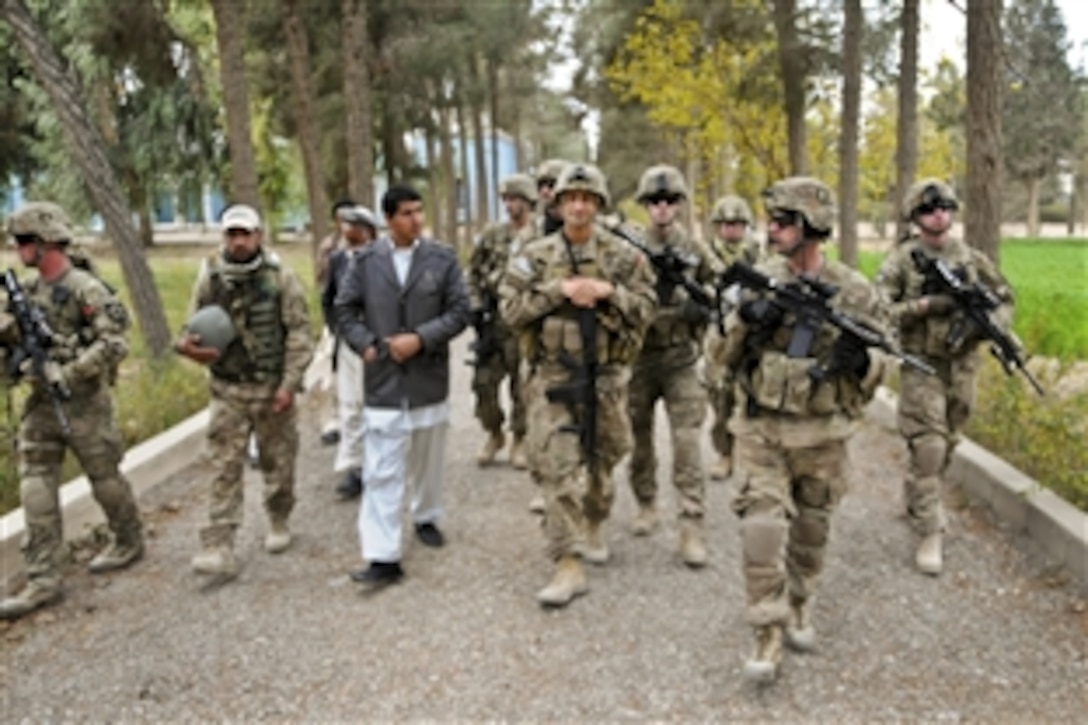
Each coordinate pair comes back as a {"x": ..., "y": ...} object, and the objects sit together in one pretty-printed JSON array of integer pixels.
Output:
[
  {"x": 145, "y": 465},
  {"x": 1058, "y": 527}
]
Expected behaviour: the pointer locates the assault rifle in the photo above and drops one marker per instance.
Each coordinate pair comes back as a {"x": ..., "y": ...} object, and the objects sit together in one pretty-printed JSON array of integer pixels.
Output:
[
  {"x": 581, "y": 388},
  {"x": 976, "y": 301},
  {"x": 671, "y": 269},
  {"x": 36, "y": 338},
  {"x": 809, "y": 302},
  {"x": 486, "y": 344}
]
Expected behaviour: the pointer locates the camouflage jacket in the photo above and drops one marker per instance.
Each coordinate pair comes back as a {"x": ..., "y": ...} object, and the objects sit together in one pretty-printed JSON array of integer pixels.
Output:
[
  {"x": 488, "y": 262},
  {"x": 746, "y": 250},
  {"x": 900, "y": 286}
]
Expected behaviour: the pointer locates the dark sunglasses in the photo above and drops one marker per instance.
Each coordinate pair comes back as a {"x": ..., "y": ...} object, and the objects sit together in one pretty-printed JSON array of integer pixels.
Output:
[
  {"x": 22, "y": 239},
  {"x": 656, "y": 199},
  {"x": 549, "y": 183},
  {"x": 785, "y": 218},
  {"x": 930, "y": 208}
]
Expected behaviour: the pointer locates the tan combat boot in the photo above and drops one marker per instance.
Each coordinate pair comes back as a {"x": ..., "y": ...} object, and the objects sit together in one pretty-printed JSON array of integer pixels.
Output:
[
  {"x": 216, "y": 561},
  {"x": 537, "y": 505},
  {"x": 490, "y": 449},
  {"x": 645, "y": 520},
  {"x": 595, "y": 548},
  {"x": 278, "y": 537},
  {"x": 929, "y": 558},
  {"x": 568, "y": 582},
  {"x": 800, "y": 634},
  {"x": 120, "y": 554},
  {"x": 517, "y": 454},
  {"x": 723, "y": 469},
  {"x": 692, "y": 546},
  {"x": 762, "y": 667},
  {"x": 36, "y": 594}
]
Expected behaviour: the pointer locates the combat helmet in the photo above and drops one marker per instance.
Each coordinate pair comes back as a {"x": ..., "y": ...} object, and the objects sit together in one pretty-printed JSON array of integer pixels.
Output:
[
  {"x": 213, "y": 326},
  {"x": 585, "y": 177},
  {"x": 732, "y": 208},
  {"x": 42, "y": 219},
  {"x": 929, "y": 192},
  {"x": 521, "y": 185},
  {"x": 550, "y": 170},
  {"x": 661, "y": 180},
  {"x": 809, "y": 197}
]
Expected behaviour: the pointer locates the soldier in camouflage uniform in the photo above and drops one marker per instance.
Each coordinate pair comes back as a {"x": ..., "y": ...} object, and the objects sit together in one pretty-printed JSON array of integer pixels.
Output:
[
  {"x": 253, "y": 383},
  {"x": 934, "y": 408},
  {"x": 791, "y": 428},
  {"x": 733, "y": 241},
  {"x": 486, "y": 267},
  {"x": 666, "y": 370},
  {"x": 90, "y": 328},
  {"x": 546, "y": 287}
]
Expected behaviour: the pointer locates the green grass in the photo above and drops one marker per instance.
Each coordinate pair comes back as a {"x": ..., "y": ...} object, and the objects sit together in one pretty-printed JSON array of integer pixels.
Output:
[{"x": 150, "y": 396}]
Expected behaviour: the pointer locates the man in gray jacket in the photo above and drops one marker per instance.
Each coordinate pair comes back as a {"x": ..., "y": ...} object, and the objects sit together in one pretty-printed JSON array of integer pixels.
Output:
[{"x": 399, "y": 304}]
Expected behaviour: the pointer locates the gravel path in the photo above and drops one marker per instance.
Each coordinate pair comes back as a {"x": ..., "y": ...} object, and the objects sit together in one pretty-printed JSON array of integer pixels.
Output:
[{"x": 996, "y": 638}]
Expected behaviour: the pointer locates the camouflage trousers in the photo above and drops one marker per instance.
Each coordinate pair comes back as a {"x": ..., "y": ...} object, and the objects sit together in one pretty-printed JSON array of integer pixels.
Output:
[
  {"x": 663, "y": 375},
  {"x": 96, "y": 442},
  {"x": 785, "y": 501},
  {"x": 575, "y": 489},
  {"x": 932, "y": 411},
  {"x": 486, "y": 383},
  {"x": 721, "y": 393},
  {"x": 237, "y": 409}
]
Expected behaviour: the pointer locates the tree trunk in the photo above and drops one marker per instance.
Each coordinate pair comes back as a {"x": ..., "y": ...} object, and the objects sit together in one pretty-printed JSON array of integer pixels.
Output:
[
  {"x": 493, "y": 113},
  {"x": 1033, "y": 185},
  {"x": 434, "y": 185},
  {"x": 357, "y": 93},
  {"x": 88, "y": 150},
  {"x": 449, "y": 173},
  {"x": 298, "y": 51},
  {"x": 848, "y": 144},
  {"x": 906, "y": 146},
  {"x": 982, "y": 220},
  {"x": 476, "y": 108},
  {"x": 462, "y": 185},
  {"x": 793, "y": 81},
  {"x": 230, "y": 39}
]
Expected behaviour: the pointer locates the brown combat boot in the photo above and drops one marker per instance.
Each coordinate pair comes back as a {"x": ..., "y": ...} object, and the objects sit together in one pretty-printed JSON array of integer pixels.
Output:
[
  {"x": 36, "y": 594},
  {"x": 568, "y": 582},
  {"x": 762, "y": 667},
  {"x": 490, "y": 449},
  {"x": 723, "y": 469},
  {"x": 800, "y": 634},
  {"x": 645, "y": 520},
  {"x": 692, "y": 546},
  {"x": 595, "y": 548},
  {"x": 517, "y": 454}
]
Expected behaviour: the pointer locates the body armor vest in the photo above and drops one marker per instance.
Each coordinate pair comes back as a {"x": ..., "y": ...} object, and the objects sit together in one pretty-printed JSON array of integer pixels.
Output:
[{"x": 253, "y": 300}]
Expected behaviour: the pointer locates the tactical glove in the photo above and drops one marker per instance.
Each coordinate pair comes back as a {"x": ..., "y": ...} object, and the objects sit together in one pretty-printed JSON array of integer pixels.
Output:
[
  {"x": 849, "y": 355},
  {"x": 761, "y": 312},
  {"x": 693, "y": 313},
  {"x": 936, "y": 304}
]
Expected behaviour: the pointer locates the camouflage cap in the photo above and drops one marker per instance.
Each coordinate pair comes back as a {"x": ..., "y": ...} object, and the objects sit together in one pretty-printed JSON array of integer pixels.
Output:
[
  {"x": 585, "y": 177},
  {"x": 928, "y": 192},
  {"x": 661, "y": 180},
  {"x": 809, "y": 197},
  {"x": 732, "y": 208},
  {"x": 43, "y": 219},
  {"x": 359, "y": 215},
  {"x": 550, "y": 169},
  {"x": 521, "y": 185}
]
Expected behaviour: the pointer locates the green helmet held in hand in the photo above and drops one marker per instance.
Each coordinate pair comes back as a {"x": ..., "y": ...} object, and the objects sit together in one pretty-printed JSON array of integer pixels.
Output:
[
  {"x": 42, "y": 219},
  {"x": 732, "y": 208},
  {"x": 583, "y": 177},
  {"x": 931, "y": 193},
  {"x": 659, "y": 181},
  {"x": 213, "y": 326},
  {"x": 804, "y": 195}
]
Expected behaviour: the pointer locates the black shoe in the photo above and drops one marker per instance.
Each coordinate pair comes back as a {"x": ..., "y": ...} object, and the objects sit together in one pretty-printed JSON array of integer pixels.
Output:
[
  {"x": 352, "y": 485},
  {"x": 379, "y": 574},
  {"x": 330, "y": 438},
  {"x": 430, "y": 535}
]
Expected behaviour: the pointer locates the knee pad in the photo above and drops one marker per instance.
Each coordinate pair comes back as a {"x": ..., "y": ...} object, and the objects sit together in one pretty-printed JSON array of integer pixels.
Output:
[
  {"x": 764, "y": 537},
  {"x": 929, "y": 453}
]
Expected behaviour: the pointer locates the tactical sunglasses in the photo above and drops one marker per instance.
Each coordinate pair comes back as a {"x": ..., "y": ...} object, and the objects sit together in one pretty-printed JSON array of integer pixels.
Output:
[
  {"x": 22, "y": 239},
  {"x": 785, "y": 218},
  {"x": 546, "y": 182},
  {"x": 942, "y": 204},
  {"x": 656, "y": 199}
]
